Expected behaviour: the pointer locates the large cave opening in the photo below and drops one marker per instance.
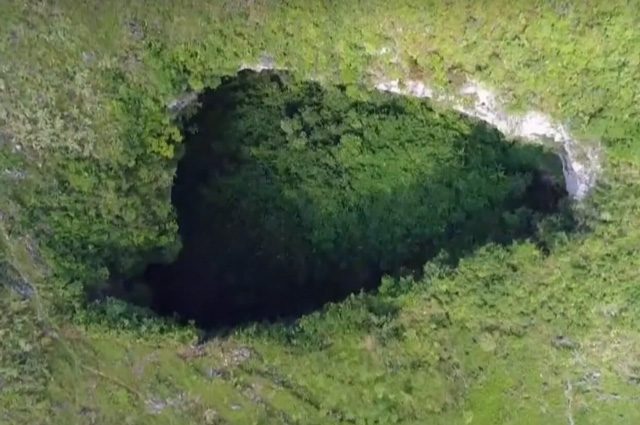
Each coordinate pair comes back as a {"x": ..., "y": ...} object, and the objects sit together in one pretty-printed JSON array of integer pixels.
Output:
[{"x": 290, "y": 194}]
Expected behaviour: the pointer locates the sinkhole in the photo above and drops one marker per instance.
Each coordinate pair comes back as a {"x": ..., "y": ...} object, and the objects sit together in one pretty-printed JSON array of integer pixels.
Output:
[{"x": 290, "y": 195}]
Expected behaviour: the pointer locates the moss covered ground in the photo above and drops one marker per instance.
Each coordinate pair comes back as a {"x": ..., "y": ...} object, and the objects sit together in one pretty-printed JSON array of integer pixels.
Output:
[{"x": 510, "y": 334}]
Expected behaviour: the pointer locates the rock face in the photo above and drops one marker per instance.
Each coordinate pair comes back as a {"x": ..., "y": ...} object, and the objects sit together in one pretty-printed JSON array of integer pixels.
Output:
[
  {"x": 580, "y": 161},
  {"x": 179, "y": 104}
]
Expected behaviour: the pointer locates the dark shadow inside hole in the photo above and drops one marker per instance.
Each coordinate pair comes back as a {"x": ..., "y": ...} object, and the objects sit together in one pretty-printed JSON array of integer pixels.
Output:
[{"x": 290, "y": 195}]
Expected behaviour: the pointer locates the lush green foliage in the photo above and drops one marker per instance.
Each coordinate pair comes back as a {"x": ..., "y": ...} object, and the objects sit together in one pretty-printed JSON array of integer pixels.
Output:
[
  {"x": 290, "y": 193},
  {"x": 84, "y": 140}
]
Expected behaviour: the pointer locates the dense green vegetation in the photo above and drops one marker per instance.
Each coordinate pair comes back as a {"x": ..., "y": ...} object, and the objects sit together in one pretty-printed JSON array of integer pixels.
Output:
[
  {"x": 291, "y": 194},
  {"x": 518, "y": 333}
]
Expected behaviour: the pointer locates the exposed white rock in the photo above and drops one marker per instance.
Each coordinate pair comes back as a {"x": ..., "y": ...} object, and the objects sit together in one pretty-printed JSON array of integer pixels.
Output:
[
  {"x": 580, "y": 161},
  {"x": 179, "y": 104},
  {"x": 266, "y": 63}
]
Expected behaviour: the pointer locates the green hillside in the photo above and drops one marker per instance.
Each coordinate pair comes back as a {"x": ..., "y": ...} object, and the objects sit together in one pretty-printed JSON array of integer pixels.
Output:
[{"x": 486, "y": 301}]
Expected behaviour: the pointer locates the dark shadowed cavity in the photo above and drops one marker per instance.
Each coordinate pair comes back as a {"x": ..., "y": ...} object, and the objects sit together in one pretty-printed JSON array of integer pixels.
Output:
[{"x": 290, "y": 195}]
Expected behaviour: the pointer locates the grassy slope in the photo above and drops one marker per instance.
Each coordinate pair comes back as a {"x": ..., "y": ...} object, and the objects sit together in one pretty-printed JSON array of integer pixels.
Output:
[{"x": 471, "y": 345}]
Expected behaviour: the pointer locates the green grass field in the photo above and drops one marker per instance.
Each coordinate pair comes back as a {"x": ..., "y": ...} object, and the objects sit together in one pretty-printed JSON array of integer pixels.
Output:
[{"x": 512, "y": 334}]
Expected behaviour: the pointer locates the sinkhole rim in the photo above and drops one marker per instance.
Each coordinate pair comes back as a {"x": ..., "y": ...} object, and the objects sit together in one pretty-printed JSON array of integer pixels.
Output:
[{"x": 195, "y": 116}]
